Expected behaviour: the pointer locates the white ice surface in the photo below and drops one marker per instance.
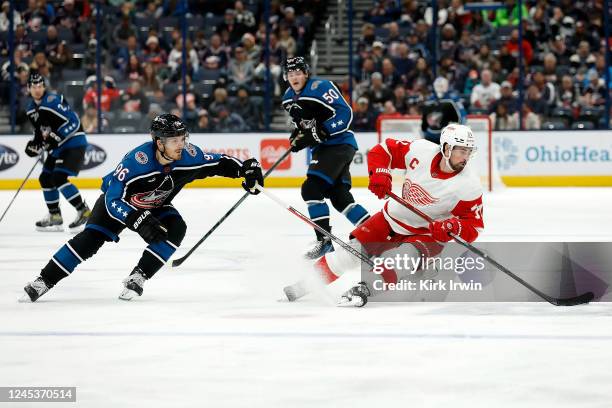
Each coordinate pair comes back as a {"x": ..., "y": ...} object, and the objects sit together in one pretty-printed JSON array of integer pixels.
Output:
[{"x": 212, "y": 332}]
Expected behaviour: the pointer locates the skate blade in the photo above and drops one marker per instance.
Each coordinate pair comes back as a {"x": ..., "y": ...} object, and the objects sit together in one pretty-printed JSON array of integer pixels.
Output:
[
  {"x": 127, "y": 294},
  {"x": 76, "y": 230},
  {"x": 355, "y": 301},
  {"x": 55, "y": 228}
]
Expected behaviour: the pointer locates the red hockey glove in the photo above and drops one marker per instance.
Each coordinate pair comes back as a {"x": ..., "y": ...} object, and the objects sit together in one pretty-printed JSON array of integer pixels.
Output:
[
  {"x": 380, "y": 182},
  {"x": 440, "y": 230}
]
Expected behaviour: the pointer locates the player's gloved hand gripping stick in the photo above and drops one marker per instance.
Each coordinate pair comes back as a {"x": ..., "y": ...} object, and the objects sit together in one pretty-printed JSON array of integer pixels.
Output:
[
  {"x": 248, "y": 185},
  {"x": 572, "y": 301}
]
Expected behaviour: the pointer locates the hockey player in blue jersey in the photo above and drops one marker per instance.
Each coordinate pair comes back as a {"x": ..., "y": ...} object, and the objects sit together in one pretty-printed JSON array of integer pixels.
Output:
[
  {"x": 322, "y": 121},
  {"x": 138, "y": 195},
  {"x": 58, "y": 130}
]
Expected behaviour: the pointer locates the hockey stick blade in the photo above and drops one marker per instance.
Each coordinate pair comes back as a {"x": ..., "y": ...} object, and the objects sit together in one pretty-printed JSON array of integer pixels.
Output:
[
  {"x": 179, "y": 261},
  {"x": 572, "y": 301}
]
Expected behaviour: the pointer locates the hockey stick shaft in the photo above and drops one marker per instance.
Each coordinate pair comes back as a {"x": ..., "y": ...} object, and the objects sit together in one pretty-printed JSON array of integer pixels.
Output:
[
  {"x": 584, "y": 298},
  {"x": 178, "y": 262},
  {"x": 364, "y": 258},
  {"x": 20, "y": 187}
]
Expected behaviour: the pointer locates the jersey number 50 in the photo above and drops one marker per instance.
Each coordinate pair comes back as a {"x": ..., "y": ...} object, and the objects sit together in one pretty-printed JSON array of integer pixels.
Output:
[{"x": 330, "y": 95}]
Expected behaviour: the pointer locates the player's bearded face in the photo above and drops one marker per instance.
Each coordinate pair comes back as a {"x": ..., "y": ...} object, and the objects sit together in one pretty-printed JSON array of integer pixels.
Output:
[
  {"x": 37, "y": 90},
  {"x": 173, "y": 146},
  {"x": 297, "y": 80},
  {"x": 459, "y": 157}
]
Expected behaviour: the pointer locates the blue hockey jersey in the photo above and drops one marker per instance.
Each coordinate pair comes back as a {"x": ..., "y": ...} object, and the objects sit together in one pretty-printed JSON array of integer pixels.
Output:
[
  {"x": 321, "y": 100},
  {"x": 141, "y": 182},
  {"x": 55, "y": 123}
]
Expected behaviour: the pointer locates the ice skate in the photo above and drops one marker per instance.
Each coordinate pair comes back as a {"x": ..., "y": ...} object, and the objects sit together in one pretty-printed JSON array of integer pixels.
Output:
[
  {"x": 80, "y": 220},
  {"x": 50, "y": 223},
  {"x": 133, "y": 285},
  {"x": 321, "y": 248},
  {"x": 34, "y": 290},
  {"x": 357, "y": 296}
]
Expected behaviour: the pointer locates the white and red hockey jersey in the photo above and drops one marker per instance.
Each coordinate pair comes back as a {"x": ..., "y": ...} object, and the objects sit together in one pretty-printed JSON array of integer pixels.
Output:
[{"x": 440, "y": 195}]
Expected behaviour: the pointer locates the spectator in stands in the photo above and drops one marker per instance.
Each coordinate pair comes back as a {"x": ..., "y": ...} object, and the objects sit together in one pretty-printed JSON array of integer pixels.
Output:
[
  {"x": 60, "y": 58},
  {"x": 153, "y": 52},
  {"x": 535, "y": 102},
  {"x": 219, "y": 101},
  {"x": 507, "y": 99},
  {"x": 559, "y": 49},
  {"x": 484, "y": 58},
  {"x": 123, "y": 53},
  {"x": 134, "y": 99},
  {"x": 550, "y": 68},
  {"x": 513, "y": 47},
  {"x": 486, "y": 92},
  {"x": 203, "y": 125},
  {"x": 217, "y": 49},
  {"x": 364, "y": 118},
  {"x": 4, "y": 17},
  {"x": 583, "y": 58},
  {"x": 399, "y": 99},
  {"x": 247, "y": 110},
  {"x": 52, "y": 40},
  {"x": 546, "y": 89},
  {"x": 402, "y": 62},
  {"x": 568, "y": 94},
  {"x": 175, "y": 59},
  {"x": 110, "y": 95},
  {"x": 531, "y": 121},
  {"x": 244, "y": 17},
  {"x": 133, "y": 70},
  {"x": 89, "y": 120},
  {"x": 383, "y": 12},
  {"x": 378, "y": 93},
  {"x": 190, "y": 113},
  {"x": 479, "y": 28},
  {"x": 394, "y": 38},
  {"x": 41, "y": 65},
  {"x": 582, "y": 34},
  {"x": 389, "y": 73},
  {"x": 228, "y": 122},
  {"x": 390, "y": 110},
  {"x": 252, "y": 50},
  {"x": 367, "y": 37},
  {"x": 69, "y": 17},
  {"x": 150, "y": 81},
  {"x": 287, "y": 42},
  {"x": 466, "y": 48},
  {"x": 240, "y": 69},
  {"x": 22, "y": 42},
  {"x": 594, "y": 93},
  {"x": 378, "y": 54},
  {"x": 504, "y": 120},
  {"x": 229, "y": 28},
  {"x": 448, "y": 42},
  {"x": 123, "y": 31},
  {"x": 419, "y": 76}
]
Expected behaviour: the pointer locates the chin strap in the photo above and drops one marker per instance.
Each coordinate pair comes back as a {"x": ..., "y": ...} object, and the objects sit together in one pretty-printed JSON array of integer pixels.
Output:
[{"x": 163, "y": 153}]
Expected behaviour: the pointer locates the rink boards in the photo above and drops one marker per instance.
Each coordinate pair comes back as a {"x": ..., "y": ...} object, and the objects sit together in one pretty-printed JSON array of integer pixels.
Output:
[{"x": 543, "y": 158}]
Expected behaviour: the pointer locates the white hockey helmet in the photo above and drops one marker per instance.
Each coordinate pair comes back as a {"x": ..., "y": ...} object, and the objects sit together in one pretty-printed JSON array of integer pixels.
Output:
[{"x": 455, "y": 134}]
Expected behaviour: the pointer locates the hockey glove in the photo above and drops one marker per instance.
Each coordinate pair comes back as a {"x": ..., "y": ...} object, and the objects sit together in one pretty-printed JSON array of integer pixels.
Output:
[
  {"x": 380, "y": 182},
  {"x": 441, "y": 230},
  {"x": 147, "y": 226},
  {"x": 251, "y": 170},
  {"x": 33, "y": 148},
  {"x": 308, "y": 134}
]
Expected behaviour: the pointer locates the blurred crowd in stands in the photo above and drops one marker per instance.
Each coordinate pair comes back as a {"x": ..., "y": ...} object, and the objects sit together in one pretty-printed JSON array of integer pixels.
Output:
[
  {"x": 478, "y": 62},
  {"x": 476, "y": 52},
  {"x": 141, "y": 53}
]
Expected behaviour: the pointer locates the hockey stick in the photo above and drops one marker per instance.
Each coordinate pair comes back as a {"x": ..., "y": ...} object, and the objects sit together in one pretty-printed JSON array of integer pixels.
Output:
[
  {"x": 307, "y": 220},
  {"x": 178, "y": 262},
  {"x": 20, "y": 187},
  {"x": 571, "y": 301}
]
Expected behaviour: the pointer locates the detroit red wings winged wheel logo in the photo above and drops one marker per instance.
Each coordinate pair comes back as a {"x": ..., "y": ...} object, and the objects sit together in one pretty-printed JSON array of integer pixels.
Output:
[{"x": 416, "y": 195}]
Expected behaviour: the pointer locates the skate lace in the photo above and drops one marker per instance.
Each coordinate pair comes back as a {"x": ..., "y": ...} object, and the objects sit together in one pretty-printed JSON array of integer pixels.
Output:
[
  {"x": 39, "y": 285},
  {"x": 136, "y": 278}
]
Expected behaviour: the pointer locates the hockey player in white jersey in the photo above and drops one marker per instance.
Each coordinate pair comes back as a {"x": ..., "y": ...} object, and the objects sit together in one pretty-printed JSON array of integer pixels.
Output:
[{"x": 437, "y": 182}]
